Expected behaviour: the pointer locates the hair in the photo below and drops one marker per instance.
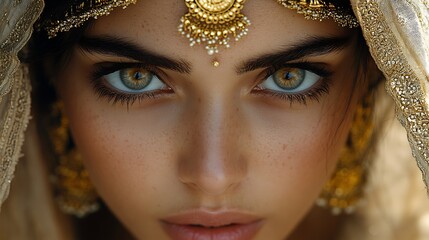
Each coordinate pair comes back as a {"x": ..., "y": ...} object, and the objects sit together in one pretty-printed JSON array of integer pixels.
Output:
[{"x": 47, "y": 57}]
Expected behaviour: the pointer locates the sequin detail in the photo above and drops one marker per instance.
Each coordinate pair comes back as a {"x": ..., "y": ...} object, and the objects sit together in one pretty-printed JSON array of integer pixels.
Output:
[
  {"x": 14, "y": 125},
  {"x": 402, "y": 82},
  {"x": 14, "y": 92},
  {"x": 314, "y": 10},
  {"x": 16, "y": 39},
  {"x": 80, "y": 13}
]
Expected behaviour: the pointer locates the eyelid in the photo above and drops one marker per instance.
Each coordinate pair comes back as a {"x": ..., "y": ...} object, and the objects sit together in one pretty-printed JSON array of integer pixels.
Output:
[
  {"x": 320, "y": 69},
  {"x": 114, "y": 96},
  {"x": 105, "y": 68},
  {"x": 314, "y": 93}
]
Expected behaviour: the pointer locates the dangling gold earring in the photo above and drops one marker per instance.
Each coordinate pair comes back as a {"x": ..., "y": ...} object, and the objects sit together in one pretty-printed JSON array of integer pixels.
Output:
[
  {"x": 345, "y": 189},
  {"x": 75, "y": 193}
]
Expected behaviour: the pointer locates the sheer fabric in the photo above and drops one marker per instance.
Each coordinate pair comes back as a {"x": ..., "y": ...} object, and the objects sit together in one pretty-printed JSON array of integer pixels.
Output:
[
  {"x": 397, "y": 32},
  {"x": 16, "y": 20}
]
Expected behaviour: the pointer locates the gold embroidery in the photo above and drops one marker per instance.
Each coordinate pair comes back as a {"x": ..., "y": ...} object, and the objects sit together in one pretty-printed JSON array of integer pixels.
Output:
[
  {"x": 14, "y": 95},
  {"x": 402, "y": 82},
  {"x": 314, "y": 10},
  {"x": 14, "y": 124},
  {"x": 80, "y": 13},
  {"x": 16, "y": 39}
]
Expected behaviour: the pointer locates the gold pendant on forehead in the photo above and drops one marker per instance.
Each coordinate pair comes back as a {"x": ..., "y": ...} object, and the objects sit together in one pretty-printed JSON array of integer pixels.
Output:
[{"x": 214, "y": 23}]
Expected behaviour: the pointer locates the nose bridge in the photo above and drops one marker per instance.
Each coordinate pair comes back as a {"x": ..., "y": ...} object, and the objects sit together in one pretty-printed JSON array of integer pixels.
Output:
[{"x": 212, "y": 161}]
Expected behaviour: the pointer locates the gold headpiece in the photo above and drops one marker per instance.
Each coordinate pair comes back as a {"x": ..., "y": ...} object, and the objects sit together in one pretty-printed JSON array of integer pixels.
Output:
[
  {"x": 318, "y": 10},
  {"x": 209, "y": 22},
  {"x": 80, "y": 12},
  {"x": 213, "y": 22}
]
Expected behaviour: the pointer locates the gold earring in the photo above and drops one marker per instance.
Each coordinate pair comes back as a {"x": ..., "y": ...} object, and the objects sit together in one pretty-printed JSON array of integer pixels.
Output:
[
  {"x": 74, "y": 191},
  {"x": 213, "y": 23},
  {"x": 345, "y": 189}
]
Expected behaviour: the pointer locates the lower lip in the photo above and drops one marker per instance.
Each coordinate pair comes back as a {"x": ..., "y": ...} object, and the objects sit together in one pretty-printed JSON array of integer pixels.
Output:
[{"x": 232, "y": 232}]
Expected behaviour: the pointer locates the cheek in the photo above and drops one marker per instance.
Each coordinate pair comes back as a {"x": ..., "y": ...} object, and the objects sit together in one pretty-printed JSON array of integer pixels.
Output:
[
  {"x": 132, "y": 155},
  {"x": 303, "y": 155},
  {"x": 294, "y": 156},
  {"x": 130, "y": 161},
  {"x": 121, "y": 150}
]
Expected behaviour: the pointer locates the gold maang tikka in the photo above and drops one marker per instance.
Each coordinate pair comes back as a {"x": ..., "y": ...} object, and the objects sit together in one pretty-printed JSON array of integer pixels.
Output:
[{"x": 213, "y": 23}]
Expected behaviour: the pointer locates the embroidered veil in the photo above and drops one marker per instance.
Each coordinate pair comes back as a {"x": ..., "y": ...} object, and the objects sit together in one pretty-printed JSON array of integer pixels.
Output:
[
  {"x": 16, "y": 21},
  {"x": 396, "y": 31}
]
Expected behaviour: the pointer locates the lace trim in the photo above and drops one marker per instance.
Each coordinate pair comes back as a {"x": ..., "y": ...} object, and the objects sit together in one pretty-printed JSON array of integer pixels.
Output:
[
  {"x": 14, "y": 126},
  {"x": 402, "y": 82},
  {"x": 15, "y": 41},
  {"x": 15, "y": 92}
]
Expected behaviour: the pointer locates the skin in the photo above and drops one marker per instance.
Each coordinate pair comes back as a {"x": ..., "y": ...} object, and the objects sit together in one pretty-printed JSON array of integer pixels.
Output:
[{"x": 212, "y": 143}]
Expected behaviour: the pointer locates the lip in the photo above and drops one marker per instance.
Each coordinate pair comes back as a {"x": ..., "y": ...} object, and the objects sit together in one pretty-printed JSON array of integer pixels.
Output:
[{"x": 207, "y": 225}]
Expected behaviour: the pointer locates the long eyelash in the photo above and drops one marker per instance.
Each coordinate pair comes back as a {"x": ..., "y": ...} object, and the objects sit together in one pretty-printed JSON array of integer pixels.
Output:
[
  {"x": 301, "y": 98},
  {"x": 105, "y": 68},
  {"x": 318, "y": 69},
  {"x": 116, "y": 97},
  {"x": 313, "y": 94}
]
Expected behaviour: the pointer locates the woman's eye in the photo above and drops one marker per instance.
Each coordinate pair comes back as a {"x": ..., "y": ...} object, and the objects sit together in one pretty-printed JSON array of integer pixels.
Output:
[
  {"x": 134, "y": 80},
  {"x": 290, "y": 80}
]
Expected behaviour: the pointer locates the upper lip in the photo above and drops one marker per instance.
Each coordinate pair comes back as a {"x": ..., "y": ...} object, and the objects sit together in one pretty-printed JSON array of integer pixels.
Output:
[{"x": 206, "y": 218}]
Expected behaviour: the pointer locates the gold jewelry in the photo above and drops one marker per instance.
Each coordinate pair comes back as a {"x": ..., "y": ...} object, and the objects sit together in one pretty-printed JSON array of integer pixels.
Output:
[
  {"x": 213, "y": 23},
  {"x": 75, "y": 193},
  {"x": 344, "y": 190},
  {"x": 79, "y": 13},
  {"x": 317, "y": 10},
  {"x": 216, "y": 63},
  {"x": 208, "y": 21}
]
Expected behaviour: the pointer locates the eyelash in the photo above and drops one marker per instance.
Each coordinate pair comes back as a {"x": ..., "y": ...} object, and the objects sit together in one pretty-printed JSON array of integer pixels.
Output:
[
  {"x": 114, "y": 97},
  {"x": 314, "y": 94}
]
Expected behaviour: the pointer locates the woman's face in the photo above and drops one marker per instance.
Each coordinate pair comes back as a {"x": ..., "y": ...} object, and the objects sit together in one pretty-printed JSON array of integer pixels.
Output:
[{"x": 179, "y": 148}]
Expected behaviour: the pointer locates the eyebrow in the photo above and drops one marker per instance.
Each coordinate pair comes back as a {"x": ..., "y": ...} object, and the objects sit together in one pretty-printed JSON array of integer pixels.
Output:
[
  {"x": 311, "y": 46},
  {"x": 122, "y": 48}
]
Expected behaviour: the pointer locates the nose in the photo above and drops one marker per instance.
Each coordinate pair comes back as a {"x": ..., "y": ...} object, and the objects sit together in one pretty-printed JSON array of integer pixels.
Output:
[{"x": 213, "y": 162}]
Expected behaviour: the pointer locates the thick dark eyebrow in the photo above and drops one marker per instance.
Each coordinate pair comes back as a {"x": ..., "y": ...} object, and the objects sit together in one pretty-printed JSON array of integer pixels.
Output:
[
  {"x": 311, "y": 46},
  {"x": 122, "y": 48}
]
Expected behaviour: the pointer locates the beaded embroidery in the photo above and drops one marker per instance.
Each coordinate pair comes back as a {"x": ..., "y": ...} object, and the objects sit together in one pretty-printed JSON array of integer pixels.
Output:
[
  {"x": 315, "y": 10},
  {"x": 402, "y": 82},
  {"x": 81, "y": 12},
  {"x": 14, "y": 93}
]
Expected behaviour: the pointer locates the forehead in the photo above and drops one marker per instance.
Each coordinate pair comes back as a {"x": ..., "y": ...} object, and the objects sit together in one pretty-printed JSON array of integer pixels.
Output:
[{"x": 154, "y": 26}]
